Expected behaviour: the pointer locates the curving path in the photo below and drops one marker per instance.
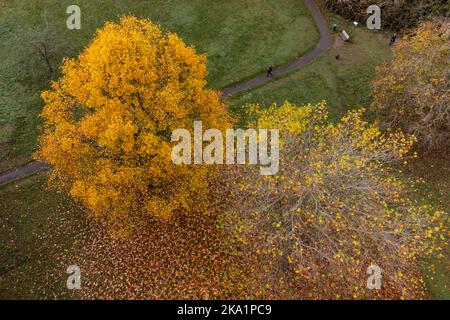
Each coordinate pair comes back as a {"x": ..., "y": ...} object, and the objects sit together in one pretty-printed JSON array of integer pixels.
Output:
[{"x": 324, "y": 43}]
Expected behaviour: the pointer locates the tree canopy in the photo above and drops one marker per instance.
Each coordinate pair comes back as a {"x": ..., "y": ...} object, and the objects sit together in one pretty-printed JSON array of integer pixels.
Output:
[
  {"x": 412, "y": 91},
  {"x": 108, "y": 123},
  {"x": 334, "y": 209}
]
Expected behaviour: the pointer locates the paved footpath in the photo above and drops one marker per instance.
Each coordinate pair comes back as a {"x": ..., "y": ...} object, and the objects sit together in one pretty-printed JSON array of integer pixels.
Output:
[
  {"x": 21, "y": 172},
  {"x": 324, "y": 43}
]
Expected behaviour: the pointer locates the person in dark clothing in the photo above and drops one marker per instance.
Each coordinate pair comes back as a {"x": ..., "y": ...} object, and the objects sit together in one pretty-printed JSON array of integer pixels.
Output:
[
  {"x": 338, "y": 56},
  {"x": 334, "y": 27},
  {"x": 393, "y": 38},
  {"x": 270, "y": 71}
]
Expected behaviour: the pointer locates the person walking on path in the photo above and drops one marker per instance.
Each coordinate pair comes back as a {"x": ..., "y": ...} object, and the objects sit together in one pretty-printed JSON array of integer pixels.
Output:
[
  {"x": 334, "y": 27},
  {"x": 270, "y": 71}
]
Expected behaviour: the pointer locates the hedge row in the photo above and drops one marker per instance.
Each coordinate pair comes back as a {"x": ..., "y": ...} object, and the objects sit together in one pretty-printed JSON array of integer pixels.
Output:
[{"x": 396, "y": 14}]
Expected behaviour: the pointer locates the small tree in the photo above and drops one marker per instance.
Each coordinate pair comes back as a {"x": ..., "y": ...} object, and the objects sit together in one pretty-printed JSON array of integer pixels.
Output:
[
  {"x": 41, "y": 41},
  {"x": 109, "y": 118},
  {"x": 334, "y": 209},
  {"x": 412, "y": 92}
]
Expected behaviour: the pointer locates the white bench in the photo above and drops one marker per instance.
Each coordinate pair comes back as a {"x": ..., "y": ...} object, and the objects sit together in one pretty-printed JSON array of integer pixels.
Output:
[{"x": 344, "y": 35}]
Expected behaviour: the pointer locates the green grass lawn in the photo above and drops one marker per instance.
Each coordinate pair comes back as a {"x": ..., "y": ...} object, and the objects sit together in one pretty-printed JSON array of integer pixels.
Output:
[
  {"x": 431, "y": 186},
  {"x": 343, "y": 83},
  {"x": 38, "y": 232},
  {"x": 241, "y": 37}
]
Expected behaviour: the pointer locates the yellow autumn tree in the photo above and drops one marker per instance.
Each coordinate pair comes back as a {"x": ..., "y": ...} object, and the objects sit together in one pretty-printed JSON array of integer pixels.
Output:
[
  {"x": 108, "y": 122},
  {"x": 412, "y": 91}
]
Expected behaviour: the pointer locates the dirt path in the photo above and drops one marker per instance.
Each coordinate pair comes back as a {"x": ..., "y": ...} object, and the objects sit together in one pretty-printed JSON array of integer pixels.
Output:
[{"x": 324, "y": 43}]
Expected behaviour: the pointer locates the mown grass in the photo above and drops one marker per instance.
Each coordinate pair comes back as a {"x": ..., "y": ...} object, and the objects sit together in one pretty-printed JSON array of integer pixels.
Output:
[
  {"x": 241, "y": 37},
  {"x": 38, "y": 232},
  {"x": 431, "y": 187}
]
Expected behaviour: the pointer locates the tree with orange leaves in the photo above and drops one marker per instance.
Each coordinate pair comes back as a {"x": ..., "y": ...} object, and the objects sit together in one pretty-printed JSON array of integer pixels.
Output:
[{"x": 108, "y": 123}]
